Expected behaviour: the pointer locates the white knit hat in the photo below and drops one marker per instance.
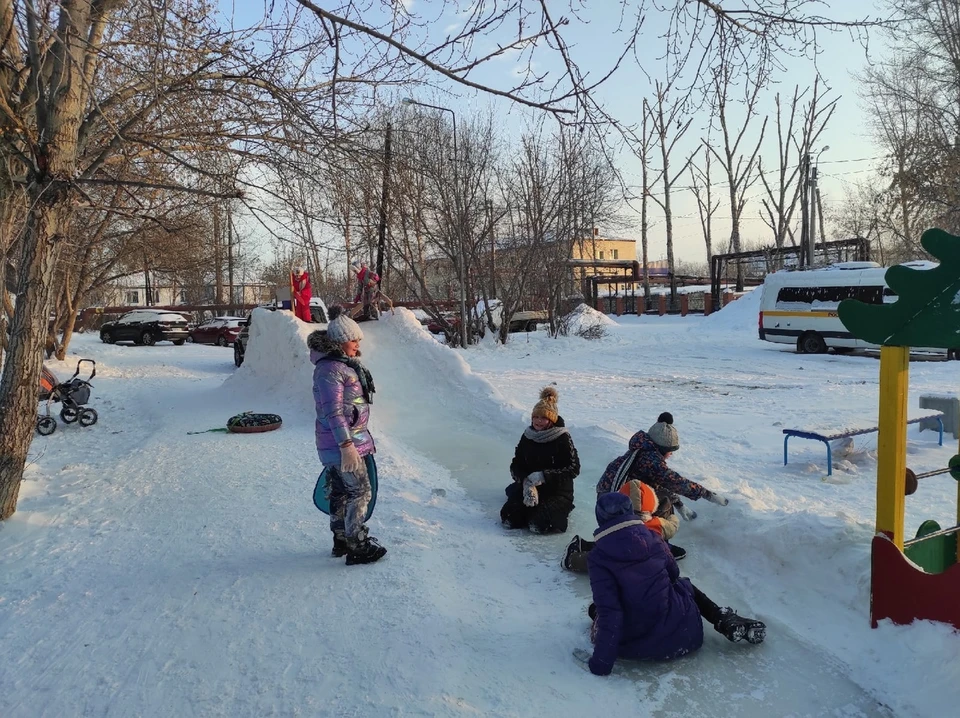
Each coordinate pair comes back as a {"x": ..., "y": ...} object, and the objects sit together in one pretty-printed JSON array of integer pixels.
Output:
[{"x": 342, "y": 328}]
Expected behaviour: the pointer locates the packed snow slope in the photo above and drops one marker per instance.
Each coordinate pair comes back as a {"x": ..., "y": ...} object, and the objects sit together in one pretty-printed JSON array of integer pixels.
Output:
[{"x": 154, "y": 572}]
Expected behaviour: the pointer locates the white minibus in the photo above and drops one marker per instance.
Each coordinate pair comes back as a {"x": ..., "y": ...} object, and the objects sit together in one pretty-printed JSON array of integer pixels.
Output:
[{"x": 799, "y": 307}]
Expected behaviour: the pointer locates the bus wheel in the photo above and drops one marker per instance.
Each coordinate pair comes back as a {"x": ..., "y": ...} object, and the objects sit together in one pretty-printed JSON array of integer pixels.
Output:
[{"x": 811, "y": 343}]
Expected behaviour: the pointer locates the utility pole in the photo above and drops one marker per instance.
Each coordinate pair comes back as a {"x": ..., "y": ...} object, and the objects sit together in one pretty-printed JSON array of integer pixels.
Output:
[
  {"x": 806, "y": 256},
  {"x": 813, "y": 213},
  {"x": 230, "y": 298},
  {"x": 459, "y": 216},
  {"x": 814, "y": 201},
  {"x": 382, "y": 232},
  {"x": 488, "y": 205}
]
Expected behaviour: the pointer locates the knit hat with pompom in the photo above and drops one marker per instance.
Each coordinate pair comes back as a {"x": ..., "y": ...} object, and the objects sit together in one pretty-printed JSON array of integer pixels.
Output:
[
  {"x": 663, "y": 434},
  {"x": 342, "y": 328},
  {"x": 547, "y": 406}
]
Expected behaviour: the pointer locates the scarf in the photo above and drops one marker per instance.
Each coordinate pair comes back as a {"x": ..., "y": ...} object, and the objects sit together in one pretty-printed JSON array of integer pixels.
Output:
[
  {"x": 545, "y": 436},
  {"x": 620, "y": 478},
  {"x": 363, "y": 374}
]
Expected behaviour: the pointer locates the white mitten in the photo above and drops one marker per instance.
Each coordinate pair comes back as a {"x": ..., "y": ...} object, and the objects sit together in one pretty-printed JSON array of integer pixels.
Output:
[
  {"x": 686, "y": 513},
  {"x": 716, "y": 499},
  {"x": 349, "y": 459},
  {"x": 531, "y": 496}
]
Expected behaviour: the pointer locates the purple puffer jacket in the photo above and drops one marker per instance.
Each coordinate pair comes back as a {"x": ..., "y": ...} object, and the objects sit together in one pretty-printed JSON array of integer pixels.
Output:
[
  {"x": 342, "y": 410},
  {"x": 644, "y": 609}
]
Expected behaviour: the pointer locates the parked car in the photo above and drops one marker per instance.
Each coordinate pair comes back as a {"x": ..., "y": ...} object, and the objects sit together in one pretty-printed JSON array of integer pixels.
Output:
[
  {"x": 435, "y": 327},
  {"x": 146, "y": 326},
  {"x": 240, "y": 343},
  {"x": 318, "y": 310},
  {"x": 221, "y": 331}
]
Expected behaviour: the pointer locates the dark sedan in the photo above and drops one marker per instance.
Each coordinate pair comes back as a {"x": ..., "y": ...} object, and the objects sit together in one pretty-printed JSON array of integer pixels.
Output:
[{"x": 144, "y": 326}]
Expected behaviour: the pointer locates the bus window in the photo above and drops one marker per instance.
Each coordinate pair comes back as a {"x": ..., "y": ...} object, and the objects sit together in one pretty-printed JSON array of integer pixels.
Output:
[{"x": 824, "y": 298}]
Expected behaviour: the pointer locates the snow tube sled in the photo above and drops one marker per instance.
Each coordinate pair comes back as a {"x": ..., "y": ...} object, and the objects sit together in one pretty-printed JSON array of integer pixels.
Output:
[
  {"x": 322, "y": 501},
  {"x": 252, "y": 423}
]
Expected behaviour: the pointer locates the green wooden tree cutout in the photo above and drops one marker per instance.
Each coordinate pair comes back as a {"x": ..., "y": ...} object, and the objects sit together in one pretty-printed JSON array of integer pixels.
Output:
[{"x": 927, "y": 310}]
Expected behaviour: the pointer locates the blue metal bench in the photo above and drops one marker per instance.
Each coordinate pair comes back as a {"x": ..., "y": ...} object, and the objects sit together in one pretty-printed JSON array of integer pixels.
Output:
[{"x": 827, "y": 436}]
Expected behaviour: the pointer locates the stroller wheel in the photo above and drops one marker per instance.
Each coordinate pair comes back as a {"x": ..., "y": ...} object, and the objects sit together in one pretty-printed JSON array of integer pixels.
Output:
[
  {"x": 69, "y": 414},
  {"x": 46, "y": 425},
  {"x": 88, "y": 417}
]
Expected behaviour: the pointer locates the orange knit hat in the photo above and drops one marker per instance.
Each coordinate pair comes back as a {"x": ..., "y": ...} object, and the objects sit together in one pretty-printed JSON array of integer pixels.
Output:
[{"x": 547, "y": 406}]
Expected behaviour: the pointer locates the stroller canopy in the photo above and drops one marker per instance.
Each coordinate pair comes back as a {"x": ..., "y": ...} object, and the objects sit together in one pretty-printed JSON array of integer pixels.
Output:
[{"x": 48, "y": 380}]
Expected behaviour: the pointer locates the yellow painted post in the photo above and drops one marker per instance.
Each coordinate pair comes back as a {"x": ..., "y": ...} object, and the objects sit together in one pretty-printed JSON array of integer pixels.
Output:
[{"x": 892, "y": 441}]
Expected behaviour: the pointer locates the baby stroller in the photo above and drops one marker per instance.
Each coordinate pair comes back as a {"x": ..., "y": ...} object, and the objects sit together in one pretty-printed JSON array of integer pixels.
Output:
[{"x": 72, "y": 394}]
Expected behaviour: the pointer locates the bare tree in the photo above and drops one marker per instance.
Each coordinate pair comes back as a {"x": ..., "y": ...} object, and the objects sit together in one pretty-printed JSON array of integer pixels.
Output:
[
  {"x": 671, "y": 121},
  {"x": 796, "y": 137},
  {"x": 700, "y": 181},
  {"x": 783, "y": 195},
  {"x": 738, "y": 164}
]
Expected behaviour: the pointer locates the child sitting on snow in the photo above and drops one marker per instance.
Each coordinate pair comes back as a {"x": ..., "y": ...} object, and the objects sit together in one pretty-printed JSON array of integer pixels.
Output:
[
  {"x": 544, "y": 466},
  {"x": 642, "y": 608},
  {"x": 646, "y": 460},
  {"x": 660, "y": 519}
]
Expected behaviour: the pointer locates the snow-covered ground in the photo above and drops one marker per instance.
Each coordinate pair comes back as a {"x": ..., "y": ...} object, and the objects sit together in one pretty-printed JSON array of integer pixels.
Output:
[{"x": 153, "y": 572}]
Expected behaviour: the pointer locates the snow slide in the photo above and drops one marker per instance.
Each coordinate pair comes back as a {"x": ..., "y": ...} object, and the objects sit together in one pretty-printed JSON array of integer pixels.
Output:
[{"x": 430, "y": 400}]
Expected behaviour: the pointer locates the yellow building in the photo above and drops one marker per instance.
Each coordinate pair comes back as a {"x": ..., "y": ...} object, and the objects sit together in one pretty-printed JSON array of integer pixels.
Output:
[
  {"x": 600, "y": 249},
  {"x": 597, "y": 247}
]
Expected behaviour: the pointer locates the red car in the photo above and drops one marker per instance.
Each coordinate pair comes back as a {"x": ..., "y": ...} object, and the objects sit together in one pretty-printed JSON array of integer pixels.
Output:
[
  {"x": 434, "y": 326},
  {"x": 221, "y": 331}
]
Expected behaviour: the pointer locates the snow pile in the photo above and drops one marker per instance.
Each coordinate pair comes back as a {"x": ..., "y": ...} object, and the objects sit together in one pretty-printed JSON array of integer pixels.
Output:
[
  {"x": 740, "y": 314},
  {"x": 276, "y": 362},
  {"x": 446, "y": 365},
  {"x": 584, "y": 318}
]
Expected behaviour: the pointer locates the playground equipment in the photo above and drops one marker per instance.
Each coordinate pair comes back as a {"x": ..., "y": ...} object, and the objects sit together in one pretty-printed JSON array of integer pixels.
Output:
[{"x": 919, "y": 578}]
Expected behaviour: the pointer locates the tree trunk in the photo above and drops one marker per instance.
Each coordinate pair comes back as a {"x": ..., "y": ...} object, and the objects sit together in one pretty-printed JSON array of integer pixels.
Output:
[{"x": 18, "y": 395}]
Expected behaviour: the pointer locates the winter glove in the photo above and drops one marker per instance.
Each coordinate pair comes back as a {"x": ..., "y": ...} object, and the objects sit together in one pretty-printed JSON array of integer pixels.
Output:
[
  {"x": 349, "y": 459},
  {"x": 716, "y": 498},
  {"x": 530, "y": 495},
  {"x": 687, "y": 514}
]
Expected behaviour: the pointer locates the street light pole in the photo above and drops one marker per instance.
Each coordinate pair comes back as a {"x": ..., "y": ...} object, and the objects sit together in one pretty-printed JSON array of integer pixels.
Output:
[{"x": 458, "y": 224}]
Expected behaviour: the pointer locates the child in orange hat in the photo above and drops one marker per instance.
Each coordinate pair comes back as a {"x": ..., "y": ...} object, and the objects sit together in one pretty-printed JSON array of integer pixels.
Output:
[{"x": 646, "y": 506}]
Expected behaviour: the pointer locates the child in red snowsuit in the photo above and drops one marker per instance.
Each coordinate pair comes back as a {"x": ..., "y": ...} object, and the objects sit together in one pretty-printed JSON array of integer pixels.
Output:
[{"x": 300, "y": 285}]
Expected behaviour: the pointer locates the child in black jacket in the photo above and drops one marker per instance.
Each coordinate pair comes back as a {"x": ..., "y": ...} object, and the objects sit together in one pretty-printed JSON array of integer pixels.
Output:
[{"x": 543, "y": 469}]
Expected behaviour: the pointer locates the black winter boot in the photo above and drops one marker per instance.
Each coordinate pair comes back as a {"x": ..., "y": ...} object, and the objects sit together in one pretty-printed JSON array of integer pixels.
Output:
[
  {"x": 736, "y": 628},
  {"x": 677, "y": 552},
  {"x": 575, "y": 546},
  {"x": 366, "y": 551},
  {"x": 340, "y": 547}
]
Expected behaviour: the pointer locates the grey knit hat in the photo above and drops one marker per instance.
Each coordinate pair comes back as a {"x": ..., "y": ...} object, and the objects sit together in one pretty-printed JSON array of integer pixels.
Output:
[
  {"x": 342, "y": 328},
  {"x": 663, "y": 434}
]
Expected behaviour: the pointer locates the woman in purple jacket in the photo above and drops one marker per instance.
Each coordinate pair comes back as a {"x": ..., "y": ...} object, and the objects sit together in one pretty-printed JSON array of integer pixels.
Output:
[
  {"x": 642, "y": 608},
  {"x": 343, "y": 391}
]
